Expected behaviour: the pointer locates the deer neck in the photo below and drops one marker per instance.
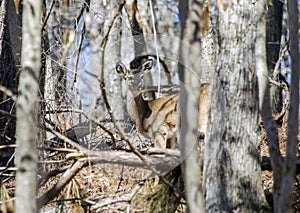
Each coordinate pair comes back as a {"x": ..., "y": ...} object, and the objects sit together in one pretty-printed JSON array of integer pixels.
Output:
[{"x": 138, "y": 110}]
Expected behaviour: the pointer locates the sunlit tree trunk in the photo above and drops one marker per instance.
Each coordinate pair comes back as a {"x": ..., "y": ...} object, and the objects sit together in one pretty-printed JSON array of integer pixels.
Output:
[
  {"x": 191, "y": 73},
  {"x": 232, "y": 162},
  {"x": 26, "y": 156},
  {"x": 114, "y": 85}
]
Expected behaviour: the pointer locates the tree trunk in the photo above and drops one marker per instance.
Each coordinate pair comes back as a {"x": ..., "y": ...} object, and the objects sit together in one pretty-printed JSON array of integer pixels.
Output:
[
  {"x": 232, "y": 171},
  {"x": 26, "y": 155},
  {"x": 266, "y": 110},
  {"x": 136, "y": 30},
  {"x": 288, "y": 177},
  {"x": 10, "y": 34},
  {"x": 98, "y": 14},
  {"x": 114, "y": 85},
  {"x": 190, "y": 73}
]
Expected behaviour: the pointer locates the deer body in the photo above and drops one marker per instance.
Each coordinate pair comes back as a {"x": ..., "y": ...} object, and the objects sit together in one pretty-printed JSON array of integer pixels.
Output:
[{"x": 156, "y": 119}]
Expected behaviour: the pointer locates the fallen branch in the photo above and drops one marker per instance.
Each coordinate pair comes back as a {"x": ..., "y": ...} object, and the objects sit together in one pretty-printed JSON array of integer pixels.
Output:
[
  {"x": 61, "y": 183},
  {"x": 161, "y": 163},
  {"x": 161, "y": 160}
]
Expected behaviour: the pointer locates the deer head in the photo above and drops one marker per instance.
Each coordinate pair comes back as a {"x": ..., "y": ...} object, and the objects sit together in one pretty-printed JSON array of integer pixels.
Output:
[{"x": 134, "y": 77}]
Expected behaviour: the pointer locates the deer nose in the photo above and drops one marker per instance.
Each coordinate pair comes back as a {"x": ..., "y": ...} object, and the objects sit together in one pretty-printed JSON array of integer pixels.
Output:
[{"x": 130, "y": 78}]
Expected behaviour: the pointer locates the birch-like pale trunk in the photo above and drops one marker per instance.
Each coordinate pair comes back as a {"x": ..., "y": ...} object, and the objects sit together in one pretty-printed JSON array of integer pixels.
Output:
[
  {"x": 26, "y": 154},
  {"x": 190, "y": 70}
]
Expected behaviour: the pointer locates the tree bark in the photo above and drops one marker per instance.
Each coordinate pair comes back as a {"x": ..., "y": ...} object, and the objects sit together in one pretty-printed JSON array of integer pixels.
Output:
[
  {"x": 190, "y": 70},
  {"x": 288, "y": 177},
  {"x": 232, "y": 162},
  {"x": 114, "y": 85},
  {"x": 26, "y": 155},
  {"x": 266, "y": 110},
  {"x": 136, "y": 30},
  {"x": 10, "y": 34}
]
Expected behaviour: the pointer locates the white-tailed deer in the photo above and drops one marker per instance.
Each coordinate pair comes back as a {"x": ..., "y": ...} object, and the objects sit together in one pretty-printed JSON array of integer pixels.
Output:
[{"x": 156, "y": 119}]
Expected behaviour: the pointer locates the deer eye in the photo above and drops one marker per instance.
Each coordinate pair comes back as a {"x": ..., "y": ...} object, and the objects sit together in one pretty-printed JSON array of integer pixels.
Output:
[{"x": 141, "y": 86}]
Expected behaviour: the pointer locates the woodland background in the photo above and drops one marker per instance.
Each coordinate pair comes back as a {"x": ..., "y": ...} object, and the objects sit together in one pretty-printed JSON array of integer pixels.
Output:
[{"x": 67, "y": 143}]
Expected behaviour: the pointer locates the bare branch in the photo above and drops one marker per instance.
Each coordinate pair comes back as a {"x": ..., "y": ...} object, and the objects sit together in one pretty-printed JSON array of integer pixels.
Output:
[
  {"x": 7, "y": 114},
  {"x": 62, "y": 182},
  {"x": 50, "y": 174},
  {"x": 289, "y": 167},
  {"x": 2, "y": 19},
  {"x": 122, "y": 198},
  {"x": 277, "y": 65},
  {"x": 8, "y": 92},
  {"x": 48, "y": 15}
]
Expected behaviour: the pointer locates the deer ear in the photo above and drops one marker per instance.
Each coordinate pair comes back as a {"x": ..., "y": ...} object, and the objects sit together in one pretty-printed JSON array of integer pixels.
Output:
[
  {"x": 147, "y": 65},
  {"x": 121, "y": 69}
]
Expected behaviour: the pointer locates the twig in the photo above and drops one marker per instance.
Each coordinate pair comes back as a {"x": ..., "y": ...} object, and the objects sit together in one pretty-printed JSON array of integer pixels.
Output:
[
  {"x": 87, "y": 117},
  {"x": 122, "y": 198},
  {"x": 286, "y": 104},
  {"x": 7, "y": 114},
  {"x": 78, "y": 55},
  {"x": 276, "y": 83},
  {"x": 56, "y": 149},
  {"x": 277, "y": 65},
  {"x": 48, "y": 15},
  {"x": 8, "y": 146},
  {"x": 9, "y": 120},
  {"x": 52, "y": 161},
  {"x": 2, "y": 25},
  {"x": 8, "y": 92},
  {"x": 50, "y": 174},
  {"x": 4, "y": 168},
  {"x": 121, "y": 179},
  {"x": 66, "y": 139}
]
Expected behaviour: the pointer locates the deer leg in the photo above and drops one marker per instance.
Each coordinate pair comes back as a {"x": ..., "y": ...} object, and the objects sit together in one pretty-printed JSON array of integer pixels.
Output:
[
  {"x": 165, "y": 138},
  {"x": 160, "y": 141}
]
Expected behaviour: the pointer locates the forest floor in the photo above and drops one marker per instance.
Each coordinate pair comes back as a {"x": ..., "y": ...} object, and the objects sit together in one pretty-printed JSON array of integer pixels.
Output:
[
  {"x": 112, "y": 186},
  {"x": 267, "y": 176}
]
